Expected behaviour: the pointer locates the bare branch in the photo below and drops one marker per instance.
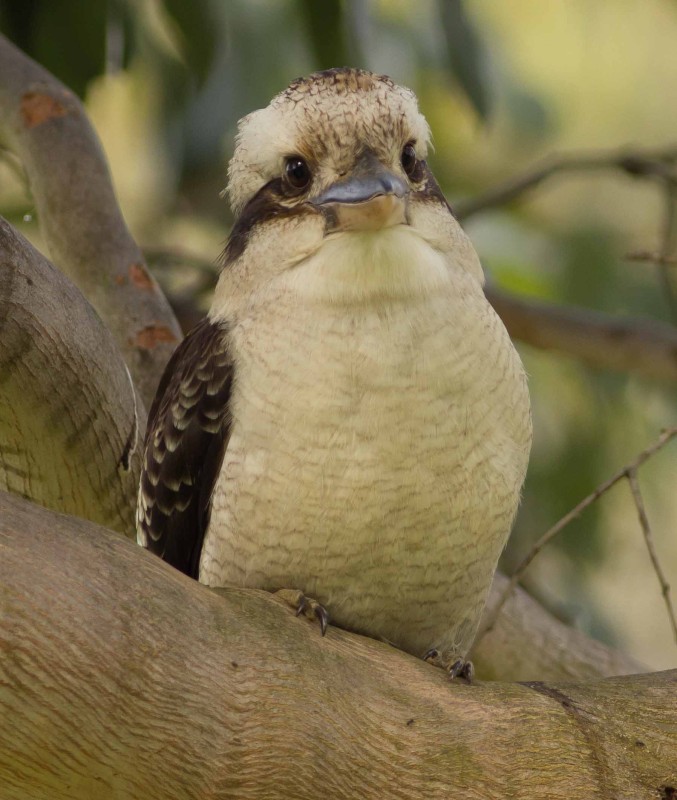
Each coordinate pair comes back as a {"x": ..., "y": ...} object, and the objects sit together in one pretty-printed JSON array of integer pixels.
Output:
[
  {"x": 654, "y": 258},
  {"x": 643, "y": 347},
  {"x": 648, "y": 538},
  {"x": 652, "y": 163},
  {"x": 575, "y": 512},
  {"x": 667, "y": 236},
  {"x": 70, "y": 422},
  {"x": 44, "y": 124},
  {"x": 122, "y": 677}
]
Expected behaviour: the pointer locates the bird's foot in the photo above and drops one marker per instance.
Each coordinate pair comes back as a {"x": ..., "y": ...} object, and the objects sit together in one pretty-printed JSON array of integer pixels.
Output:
[
  {"x": 305, "y": 605},
  {"x": 455, "y": 667}
]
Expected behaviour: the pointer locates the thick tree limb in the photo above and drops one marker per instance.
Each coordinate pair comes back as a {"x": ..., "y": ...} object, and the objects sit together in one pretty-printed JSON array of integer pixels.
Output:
[
  {"x": 642, "y": 347},
  {"x": 71, "y": 425},
  {"x": 44, "y": 124},
  {"x": 527, "y": 643},
  {"x": 123, "y": 678}
]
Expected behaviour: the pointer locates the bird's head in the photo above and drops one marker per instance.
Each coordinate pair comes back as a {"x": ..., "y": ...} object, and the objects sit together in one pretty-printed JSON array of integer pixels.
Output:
[{"x": 332, "y": 175}]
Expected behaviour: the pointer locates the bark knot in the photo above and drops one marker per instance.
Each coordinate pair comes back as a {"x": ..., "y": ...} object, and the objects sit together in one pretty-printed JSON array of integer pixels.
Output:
[
  {"x": 38, "y": 107},
  {"x": 140, "y": 276},
  {"x": 153, "y": 335}
]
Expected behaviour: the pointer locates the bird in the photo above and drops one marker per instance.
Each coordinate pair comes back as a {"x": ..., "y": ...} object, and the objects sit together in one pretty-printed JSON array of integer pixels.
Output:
[{"x": 350, "y": 424}]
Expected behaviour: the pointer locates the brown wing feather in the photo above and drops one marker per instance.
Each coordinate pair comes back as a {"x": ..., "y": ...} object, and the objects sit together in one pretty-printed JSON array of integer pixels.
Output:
[{"x": 187, "y": 435}]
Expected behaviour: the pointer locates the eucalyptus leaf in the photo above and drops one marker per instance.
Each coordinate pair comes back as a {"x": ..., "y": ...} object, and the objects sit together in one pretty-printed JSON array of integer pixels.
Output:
[
  {"x": 326, "y": 31},
  {"x": 198, "y": 27},
  {"x": 68, "y": 37},
  {"x": 467, "y": 55}
]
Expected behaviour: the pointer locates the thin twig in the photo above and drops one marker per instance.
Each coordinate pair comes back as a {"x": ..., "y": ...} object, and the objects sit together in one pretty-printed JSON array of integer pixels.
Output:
[
  {"x": 648, "y": 538},
  {"x": 658, "y": 164},
  {"x": 133, "y": 440},
  {"x": 575, "y": 512},
  {"x": 653, "y": 258}
]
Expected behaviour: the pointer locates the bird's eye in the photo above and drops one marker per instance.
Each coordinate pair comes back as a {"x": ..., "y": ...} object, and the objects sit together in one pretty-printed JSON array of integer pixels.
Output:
[
  {"x": 408, "y": 159},
  {"x": 297, "y": 172}
]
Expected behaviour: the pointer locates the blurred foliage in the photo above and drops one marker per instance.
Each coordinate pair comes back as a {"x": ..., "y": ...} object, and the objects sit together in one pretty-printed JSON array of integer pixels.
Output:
[
  {"x": 79, "y": 41},
  {"x": 502, "y": 85},
  {"x": 71, "y": 45},
  {"x": 467, "y": 55},
  {"x": 326, "y": 29}
]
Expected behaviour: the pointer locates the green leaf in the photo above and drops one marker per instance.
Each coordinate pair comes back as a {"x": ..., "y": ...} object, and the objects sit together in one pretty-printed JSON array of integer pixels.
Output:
[
  {"x": 68, "y": 38},
  {"x": 326, "y": 30},
  {"x": 467, "y": 55},
  {"x": 198, "y": 28}
]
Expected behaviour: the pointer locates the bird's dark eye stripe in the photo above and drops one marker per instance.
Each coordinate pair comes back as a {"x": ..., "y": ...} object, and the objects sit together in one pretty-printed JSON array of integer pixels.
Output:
[{"x": 297, "y": 172}]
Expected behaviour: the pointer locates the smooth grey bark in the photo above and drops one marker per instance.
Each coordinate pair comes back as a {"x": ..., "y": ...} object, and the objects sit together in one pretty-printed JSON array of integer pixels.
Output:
[
  {"x": 71, "y": 423},
  {"x": 45, "y": 125}
]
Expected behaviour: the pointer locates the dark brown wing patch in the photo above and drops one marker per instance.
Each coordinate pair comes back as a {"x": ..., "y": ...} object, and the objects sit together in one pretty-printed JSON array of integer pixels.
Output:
[{"x": 187, "y": 435}]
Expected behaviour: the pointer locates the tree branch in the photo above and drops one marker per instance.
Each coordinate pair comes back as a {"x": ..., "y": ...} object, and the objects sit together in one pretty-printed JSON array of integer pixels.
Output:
[
  {"x": 527, "y": 643},
  {"x": 123, "y": 677},
  {"x": 642, "y": 347},
  {"x": 652, "y": 163},
  {"x": 633, "y": 480},
  {"x": 71, "y": 425},
  {"x": 44, "y": 124},
  {"x": 627, "y": 472}
]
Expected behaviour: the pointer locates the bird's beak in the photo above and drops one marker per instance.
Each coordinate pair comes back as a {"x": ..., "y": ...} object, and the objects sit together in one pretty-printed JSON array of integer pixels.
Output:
[{"x": 370, "y": 200}]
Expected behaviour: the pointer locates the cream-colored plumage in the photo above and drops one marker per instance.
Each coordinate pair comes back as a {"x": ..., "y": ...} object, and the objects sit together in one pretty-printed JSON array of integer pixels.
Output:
[
  {"x": 378, "y": 423},
  {"x": 381, "y": 425}
]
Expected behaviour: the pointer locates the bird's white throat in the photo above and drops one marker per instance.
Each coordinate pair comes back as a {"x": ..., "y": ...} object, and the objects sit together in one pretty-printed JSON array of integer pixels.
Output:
[{"x": 365, "y": 266}]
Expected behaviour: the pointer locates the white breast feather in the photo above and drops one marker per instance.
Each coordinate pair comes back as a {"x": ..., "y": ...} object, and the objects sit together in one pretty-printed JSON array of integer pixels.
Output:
[{"x": 380, "y": 437}]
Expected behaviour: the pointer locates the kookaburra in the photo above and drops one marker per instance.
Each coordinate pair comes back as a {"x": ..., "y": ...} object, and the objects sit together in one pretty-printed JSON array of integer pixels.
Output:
[{"x": 351, "y": 419}]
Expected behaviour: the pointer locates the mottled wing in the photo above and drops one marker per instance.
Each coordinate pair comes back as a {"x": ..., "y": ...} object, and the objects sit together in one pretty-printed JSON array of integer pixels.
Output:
[{"x": 187, "y": 435}]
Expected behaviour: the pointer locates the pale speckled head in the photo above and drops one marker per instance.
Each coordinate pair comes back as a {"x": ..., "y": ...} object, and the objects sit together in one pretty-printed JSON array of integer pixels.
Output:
[
  {"x": 328, "y": 119},
  {"x": 330, "y": 186}
]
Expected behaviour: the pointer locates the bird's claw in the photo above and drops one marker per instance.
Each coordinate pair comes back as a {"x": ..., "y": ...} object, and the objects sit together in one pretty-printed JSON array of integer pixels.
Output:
[
  {"x": 305, "y": 605},
  {"x": 462, "y": 669},
  {"x": 313, "y": 610},
  {"x": 458, "y": 668}
]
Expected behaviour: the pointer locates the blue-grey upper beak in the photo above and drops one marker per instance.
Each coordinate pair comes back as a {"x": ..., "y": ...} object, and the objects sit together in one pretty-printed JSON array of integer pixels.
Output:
[
  {"x": 363, "y": 187},
  {"x": 371, "y": 199}
]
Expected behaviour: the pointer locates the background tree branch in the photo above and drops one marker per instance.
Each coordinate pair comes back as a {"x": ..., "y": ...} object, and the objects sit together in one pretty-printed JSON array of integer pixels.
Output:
[
  {"x": 641, "y": 347},
  {"x": 132, "y": 679},
  {"x": 527, "y": 643},
  {"x": 653, "y": 163},
  {"x": 45, "y": 125}
]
